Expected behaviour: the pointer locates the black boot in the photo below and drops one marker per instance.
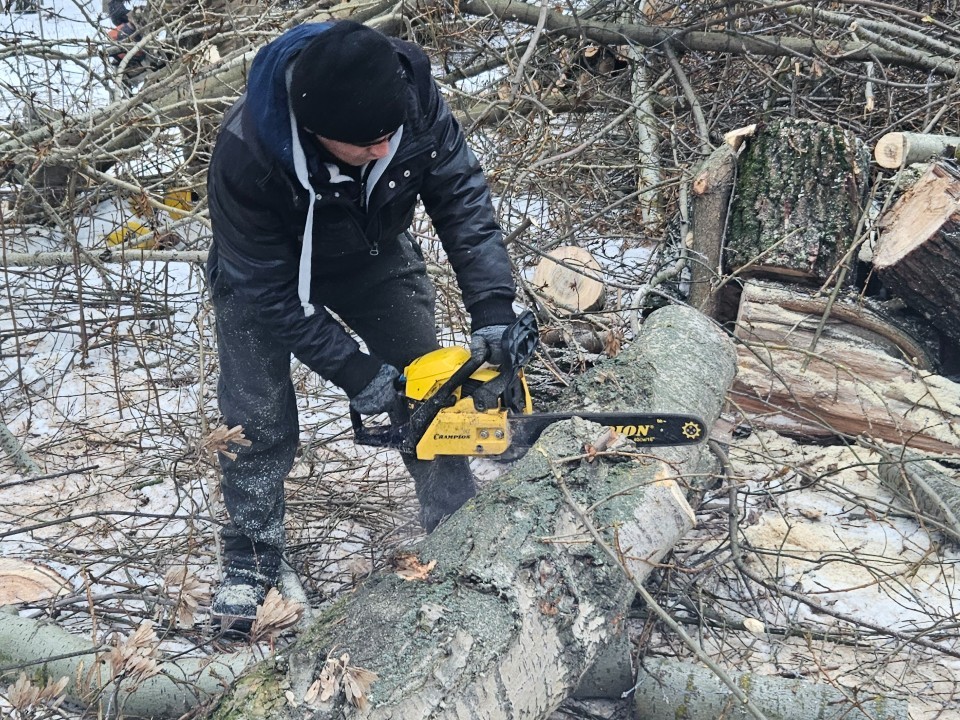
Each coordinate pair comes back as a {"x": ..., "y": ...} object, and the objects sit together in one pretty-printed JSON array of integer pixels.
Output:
[{"x": 250, "y": 570}]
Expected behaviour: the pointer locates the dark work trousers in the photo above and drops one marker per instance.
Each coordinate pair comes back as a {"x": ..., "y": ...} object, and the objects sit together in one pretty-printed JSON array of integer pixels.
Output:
[{"x": 389, "y": 303}]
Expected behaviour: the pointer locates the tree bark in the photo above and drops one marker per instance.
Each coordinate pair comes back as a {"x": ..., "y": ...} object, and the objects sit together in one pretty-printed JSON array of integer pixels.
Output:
[
  {"x": 859, "y": 379},
  {"x": 799, "y": 190},
  {"x": 520, "y": 601},
  {"x": 918, "y": 253},
  {"x": 898, "y": 149},
  {"x": 668, "y": 688},
  {"x": 711, "y": 190}
]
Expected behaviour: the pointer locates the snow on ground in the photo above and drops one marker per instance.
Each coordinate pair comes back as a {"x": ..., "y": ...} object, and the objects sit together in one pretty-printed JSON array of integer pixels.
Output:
[
  {"x": 71, "y": 83},
  {"x": 858, "y": 574}
]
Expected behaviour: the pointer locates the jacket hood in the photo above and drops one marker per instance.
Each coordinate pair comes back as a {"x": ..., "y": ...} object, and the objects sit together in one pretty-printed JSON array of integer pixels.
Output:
[
  {"x": 266, "y": 108},
  {"x": 268, "y": 114}
]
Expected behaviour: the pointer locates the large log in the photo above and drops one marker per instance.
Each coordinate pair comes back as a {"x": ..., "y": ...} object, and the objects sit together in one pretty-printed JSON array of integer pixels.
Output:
[
  {"x": 515, "y": 600},
  {"x": 862, "y": 377},
  {"x": 918, "y": 253},
  {"x": 799, "y": 190}
]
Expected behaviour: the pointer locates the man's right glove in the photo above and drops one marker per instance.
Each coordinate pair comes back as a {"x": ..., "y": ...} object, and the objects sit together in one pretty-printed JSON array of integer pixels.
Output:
[
  {"x": 380, "y": 394},
  {"x": 492, "y": 337}
]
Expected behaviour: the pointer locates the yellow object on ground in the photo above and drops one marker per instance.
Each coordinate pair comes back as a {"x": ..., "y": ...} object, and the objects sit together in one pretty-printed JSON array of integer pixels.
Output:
[
  {"x": 127, "y": 235},
  {"x": 179, "y": 198}
]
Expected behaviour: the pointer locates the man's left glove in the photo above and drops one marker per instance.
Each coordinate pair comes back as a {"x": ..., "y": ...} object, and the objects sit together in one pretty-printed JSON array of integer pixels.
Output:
[
  {"x": 492, "y": 337},
  {"x": 380, "y": 394}
]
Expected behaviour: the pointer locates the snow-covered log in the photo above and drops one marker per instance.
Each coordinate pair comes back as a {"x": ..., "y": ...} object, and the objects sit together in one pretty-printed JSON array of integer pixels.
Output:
[{"x": 506, "y": 605}]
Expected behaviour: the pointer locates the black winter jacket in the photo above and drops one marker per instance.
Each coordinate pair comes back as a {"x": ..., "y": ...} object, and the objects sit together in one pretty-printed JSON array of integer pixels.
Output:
[{"x": 259, "y": 208}]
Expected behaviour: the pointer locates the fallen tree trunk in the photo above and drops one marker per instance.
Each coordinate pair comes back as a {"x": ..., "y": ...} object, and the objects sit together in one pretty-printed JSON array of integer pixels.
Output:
[
  {"x": 863, "y": 377},
  {"x": 43, "y": 650},
  {"x": 513, "y": 600},
  {"x": 918, "y": 253},
  {"x": 898, "y": 149},
  {"x": 48, "y": 651},
  {"x": 668, "y": 688}
]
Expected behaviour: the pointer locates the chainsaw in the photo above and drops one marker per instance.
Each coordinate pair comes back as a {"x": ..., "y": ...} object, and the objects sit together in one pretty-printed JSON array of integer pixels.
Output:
[{"x": 451, "y": 402}]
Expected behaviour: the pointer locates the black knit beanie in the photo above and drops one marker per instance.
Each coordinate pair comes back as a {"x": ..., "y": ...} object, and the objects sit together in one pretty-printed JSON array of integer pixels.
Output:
[{"x": 347, "y": 84}]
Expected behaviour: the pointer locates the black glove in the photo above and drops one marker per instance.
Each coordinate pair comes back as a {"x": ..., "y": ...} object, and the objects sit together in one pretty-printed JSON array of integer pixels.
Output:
[
  {"x": 380, "y": 395},
  {"x": 492, "y": 337}
]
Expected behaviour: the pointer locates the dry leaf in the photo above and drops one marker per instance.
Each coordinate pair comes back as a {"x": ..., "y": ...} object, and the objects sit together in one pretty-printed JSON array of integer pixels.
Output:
[
  {"x": 140, "y": 205},
  {"x": 755, "y": 626},
  {"x": 274, "y": 615},
  {"x": 23, "y": 694},
  {"x": 136, "y": 657},
  {"x": 312, "y": 696},
  {"x": 409, "y": 567},
  {"x": 337, "y": 674},
  {"x": 218, "y": 439},
  {"x": 28, "y": 698},
  {"x": 612, "y": 342},
  {"x": 329, "y": 680},
  {"x": 356, "y": 685},
  {"x": 187, "y": 592}
]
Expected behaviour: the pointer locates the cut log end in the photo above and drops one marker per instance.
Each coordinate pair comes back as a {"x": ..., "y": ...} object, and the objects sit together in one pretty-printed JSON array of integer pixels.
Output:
[
  {"x": 568, "y": 278},
  {"x": 889, "y": 151}
]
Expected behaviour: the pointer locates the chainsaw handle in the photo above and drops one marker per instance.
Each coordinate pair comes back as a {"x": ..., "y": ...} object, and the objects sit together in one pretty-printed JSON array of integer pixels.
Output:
[{"x": 405, "y": 435}]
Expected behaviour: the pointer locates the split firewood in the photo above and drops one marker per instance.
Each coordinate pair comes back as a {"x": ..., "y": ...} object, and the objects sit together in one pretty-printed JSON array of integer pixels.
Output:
[
  {"x": 918, "y": 253},
  {"x": 861, "y": 377}
]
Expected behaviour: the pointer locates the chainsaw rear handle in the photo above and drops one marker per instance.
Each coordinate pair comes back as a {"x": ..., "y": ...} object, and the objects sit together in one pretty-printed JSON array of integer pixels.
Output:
[{"x": 403, "y": 433}]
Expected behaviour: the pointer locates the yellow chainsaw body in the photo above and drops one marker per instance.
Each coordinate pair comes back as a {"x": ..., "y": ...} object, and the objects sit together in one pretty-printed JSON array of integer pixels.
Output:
[{"x": 459, "y": 429}]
